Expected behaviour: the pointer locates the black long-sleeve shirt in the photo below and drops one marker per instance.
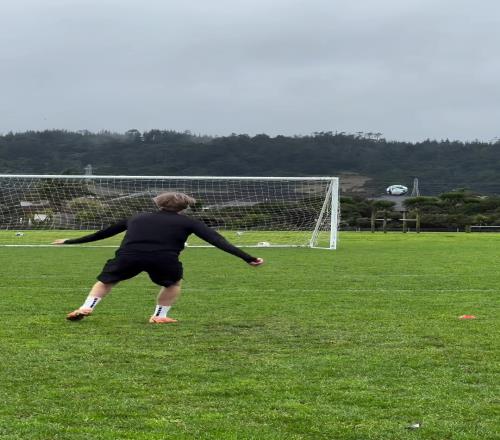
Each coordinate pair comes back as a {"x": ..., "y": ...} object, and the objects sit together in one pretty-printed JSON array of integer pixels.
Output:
[{"x": 161, "y": 231}]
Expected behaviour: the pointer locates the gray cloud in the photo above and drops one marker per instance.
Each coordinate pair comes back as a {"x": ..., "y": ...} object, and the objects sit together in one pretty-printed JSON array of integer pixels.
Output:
[{"x": 409, "y": 69}]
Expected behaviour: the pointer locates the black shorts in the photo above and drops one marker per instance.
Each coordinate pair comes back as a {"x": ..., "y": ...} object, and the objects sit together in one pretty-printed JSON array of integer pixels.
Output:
[{"x": 162, "y": 269}]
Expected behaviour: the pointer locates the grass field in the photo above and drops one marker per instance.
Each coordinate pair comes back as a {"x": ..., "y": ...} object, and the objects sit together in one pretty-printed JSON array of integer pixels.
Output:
[
  {"x": 248, "y": 238},
  {"x": 350, "y": 344}
]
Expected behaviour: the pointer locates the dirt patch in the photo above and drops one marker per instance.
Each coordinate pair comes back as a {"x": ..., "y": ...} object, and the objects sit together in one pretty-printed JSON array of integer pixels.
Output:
[{"x": 352, "y": 183}]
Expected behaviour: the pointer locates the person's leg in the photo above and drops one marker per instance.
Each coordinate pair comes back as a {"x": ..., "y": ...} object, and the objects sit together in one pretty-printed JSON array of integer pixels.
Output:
[
  {"x": 167, "y": 272},
  {"x": 168, "y": 295},
  {"x": 120, "y": 268},
  {"x": 166, "y": 299},
  {"x": 99, "y": 291}
]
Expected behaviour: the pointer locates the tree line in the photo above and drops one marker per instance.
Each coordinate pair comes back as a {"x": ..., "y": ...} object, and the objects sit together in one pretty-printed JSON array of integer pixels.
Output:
[
  {"x": 456, "y": 210},
  {"x": 441, "y": 165}
]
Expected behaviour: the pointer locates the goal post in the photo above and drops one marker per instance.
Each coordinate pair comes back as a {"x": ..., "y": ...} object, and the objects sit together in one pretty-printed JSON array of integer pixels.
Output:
[{"x": 249, "y": 211}]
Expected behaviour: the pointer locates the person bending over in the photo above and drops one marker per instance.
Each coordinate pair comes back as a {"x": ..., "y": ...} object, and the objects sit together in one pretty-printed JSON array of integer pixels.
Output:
[{"x": 152, "y": 244}]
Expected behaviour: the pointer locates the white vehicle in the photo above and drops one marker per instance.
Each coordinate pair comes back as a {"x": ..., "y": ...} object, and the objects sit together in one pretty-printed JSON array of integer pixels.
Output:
[{"x": 397, "y": 190}]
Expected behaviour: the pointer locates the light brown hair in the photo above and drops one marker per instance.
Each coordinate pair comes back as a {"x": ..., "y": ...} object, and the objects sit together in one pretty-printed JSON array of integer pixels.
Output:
[{"x": 173, "y": 201}]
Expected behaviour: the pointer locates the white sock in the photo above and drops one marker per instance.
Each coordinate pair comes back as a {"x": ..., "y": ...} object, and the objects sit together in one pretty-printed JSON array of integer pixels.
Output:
[
  {"x": 161, "y": 311},
  {"x": 90, "y": 302}
]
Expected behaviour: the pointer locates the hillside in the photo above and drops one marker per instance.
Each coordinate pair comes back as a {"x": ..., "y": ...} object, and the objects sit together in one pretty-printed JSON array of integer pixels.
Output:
[{"x": 366, "y": 162}]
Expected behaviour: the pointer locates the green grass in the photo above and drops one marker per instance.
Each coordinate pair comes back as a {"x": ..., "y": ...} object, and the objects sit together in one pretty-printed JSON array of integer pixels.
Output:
[
  {"x": 247, "y": 238},
  {"x": 349, "y": 344}
]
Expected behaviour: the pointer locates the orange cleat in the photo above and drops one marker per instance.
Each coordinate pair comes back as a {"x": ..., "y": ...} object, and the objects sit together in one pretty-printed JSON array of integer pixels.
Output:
[
  {"x": 78, "y": 314},
  {"x": 164, "y": 320}
]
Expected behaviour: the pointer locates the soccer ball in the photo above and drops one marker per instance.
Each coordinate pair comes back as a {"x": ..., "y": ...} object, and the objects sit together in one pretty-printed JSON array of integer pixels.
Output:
[{"x": 396, "y": 190}]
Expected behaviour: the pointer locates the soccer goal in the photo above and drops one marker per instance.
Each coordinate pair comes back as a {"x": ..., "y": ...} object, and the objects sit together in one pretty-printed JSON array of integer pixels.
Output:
[{"x": 249, "y": 211}]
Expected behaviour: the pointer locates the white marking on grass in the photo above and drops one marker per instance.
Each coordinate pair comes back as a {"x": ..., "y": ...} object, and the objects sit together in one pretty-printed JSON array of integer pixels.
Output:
[{"x": 229, "y": 290}]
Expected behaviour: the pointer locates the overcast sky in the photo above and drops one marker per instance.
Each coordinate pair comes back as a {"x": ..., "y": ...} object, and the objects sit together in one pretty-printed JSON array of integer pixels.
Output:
[{"x": 410, "y": 69}]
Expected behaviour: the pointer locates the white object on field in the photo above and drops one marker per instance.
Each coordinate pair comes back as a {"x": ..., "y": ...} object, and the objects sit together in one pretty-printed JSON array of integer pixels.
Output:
[
  {"x": 263, "y": 243},
  {"x": 414, "y": 425}
]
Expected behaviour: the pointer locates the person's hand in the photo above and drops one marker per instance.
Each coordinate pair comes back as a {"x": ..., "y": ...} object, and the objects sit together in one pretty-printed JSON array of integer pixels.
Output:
[
  {"x": 59, "y": 241},
  {"x": 257, "y": 262}
]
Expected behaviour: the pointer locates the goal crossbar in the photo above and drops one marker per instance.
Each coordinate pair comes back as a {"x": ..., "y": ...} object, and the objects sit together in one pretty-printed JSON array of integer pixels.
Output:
[{"x": 123, "y": 177}]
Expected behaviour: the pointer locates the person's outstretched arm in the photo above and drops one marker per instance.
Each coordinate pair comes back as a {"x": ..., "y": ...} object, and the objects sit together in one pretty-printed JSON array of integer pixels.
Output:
[
  {"x": 201, "y": 230},
  {"x": 99, "y": 235}
]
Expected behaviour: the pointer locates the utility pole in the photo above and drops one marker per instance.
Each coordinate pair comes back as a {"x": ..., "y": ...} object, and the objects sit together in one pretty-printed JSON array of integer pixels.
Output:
[{"x": 415, "y": 192}]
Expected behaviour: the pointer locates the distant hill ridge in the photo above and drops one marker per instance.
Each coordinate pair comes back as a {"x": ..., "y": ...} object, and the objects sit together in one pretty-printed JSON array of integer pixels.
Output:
[{"x": 366, "y": 162}]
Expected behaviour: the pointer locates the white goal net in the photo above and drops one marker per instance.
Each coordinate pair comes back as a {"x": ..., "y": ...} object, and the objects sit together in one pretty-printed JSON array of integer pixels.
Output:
[{"x": 248, "y": 211}]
